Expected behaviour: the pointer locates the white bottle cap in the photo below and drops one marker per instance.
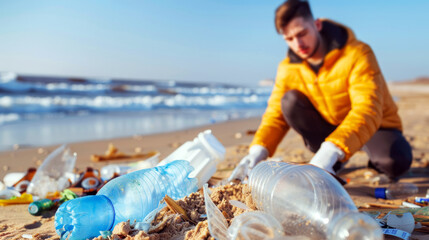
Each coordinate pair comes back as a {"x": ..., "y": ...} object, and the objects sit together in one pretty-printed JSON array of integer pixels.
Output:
[{"x": 212, "y": 145}]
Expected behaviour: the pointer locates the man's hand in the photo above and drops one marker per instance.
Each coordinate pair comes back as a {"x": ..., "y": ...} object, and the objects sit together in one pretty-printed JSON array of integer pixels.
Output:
[
  {"x": 256, "y": 154},
  {"x": 326, "y": 157}
]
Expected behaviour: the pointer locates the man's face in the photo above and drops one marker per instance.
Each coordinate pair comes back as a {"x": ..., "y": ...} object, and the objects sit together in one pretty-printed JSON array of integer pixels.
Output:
[{"x": 302, "y": 36}]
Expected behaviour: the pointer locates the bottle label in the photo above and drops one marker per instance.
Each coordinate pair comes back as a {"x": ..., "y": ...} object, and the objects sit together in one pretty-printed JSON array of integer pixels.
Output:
[
  {"x": 422, "y": 200},
  {"x": 397, "y": 233},
  {"x": 90, "y": 183}
]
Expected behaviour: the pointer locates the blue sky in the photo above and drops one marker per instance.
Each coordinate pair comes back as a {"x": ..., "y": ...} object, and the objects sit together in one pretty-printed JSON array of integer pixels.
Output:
[{"x": 226, "y": 41}]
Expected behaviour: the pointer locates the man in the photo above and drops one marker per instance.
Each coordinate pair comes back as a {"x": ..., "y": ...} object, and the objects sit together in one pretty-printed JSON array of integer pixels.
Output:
[{"x": 331, "y": 91}]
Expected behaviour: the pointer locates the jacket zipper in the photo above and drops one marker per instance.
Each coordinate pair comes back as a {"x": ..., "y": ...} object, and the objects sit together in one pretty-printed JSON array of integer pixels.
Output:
[{"x": 316, "y": 83}]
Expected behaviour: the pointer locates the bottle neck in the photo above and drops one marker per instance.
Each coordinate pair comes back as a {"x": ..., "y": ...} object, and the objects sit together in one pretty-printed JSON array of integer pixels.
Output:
[
  {"x": 85, "y": 217},
  {"x": 179, "y": 182},
  {"x": 354, "y": 226}
]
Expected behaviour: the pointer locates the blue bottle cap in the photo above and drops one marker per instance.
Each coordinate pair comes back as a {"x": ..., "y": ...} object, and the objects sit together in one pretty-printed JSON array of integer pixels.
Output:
[
  {"x": 84, "y": 217},
  {"x": 380, "y": 193}
]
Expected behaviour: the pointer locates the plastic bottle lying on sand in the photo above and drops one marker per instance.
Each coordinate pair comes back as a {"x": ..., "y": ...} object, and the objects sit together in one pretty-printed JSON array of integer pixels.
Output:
[
  {"x": 203, "y": 153},
  {"x": 109, "y": 171},
  {"x": 128, "y": 197},
  {"x": 309, "y": 202},
  {"x": 396, "y": 191},
  {"x": 36, "y": 208}
]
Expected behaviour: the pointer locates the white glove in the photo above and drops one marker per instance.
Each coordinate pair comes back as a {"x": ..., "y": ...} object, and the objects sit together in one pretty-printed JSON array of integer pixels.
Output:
[
  {"x": 256, "y": 154},
  {"x": 327, "y": 155}
]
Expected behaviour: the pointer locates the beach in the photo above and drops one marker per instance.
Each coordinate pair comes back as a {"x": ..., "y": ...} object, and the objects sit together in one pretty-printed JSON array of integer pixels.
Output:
[{"x": 235, "y": 135}]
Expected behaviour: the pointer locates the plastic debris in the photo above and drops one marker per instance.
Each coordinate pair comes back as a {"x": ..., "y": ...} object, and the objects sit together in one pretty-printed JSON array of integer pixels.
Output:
[
  {"x": 239, "y": 204},
  {"x": 309, "y": 202},
  {"x": 131, "y": 196},
  {"x": 254, "y": 226},
  {"x": 421, "y": 200},
  {"x": 410, "y": 205},
  {"x": 218, "y": 226},
  {"x": 396, "y": 233},
  {"x": 404, "y": 222},
  {"x": 19, "y": 180},
  {"x": 51, "y": 175},
  {"x": 396, "y": 191},
  {"x": 13, "y": 177},
  {"x": 109, "y": 171},
  {"x": 89, "y": 181},
  {"x": 105, "y": 234},
  {"x": 249, "y": 225},
  {"x": 9, "y": 193},
  {"x": 204, "y": 153},
  {"x": 25, "y": 198},
  {"x": 36, "y": 208}
]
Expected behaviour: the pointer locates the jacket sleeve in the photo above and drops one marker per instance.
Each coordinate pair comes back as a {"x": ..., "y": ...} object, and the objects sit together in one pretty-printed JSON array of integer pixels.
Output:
[
  {"x": 273, "y": 126},
  {"x": 366, "y": 96}
]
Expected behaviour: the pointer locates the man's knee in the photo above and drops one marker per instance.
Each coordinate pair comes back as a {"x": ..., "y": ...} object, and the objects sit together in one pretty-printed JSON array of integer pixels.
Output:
[
  {"x": 397, "y": 162},
  {"x": 402, "y": 154},
  {"x": 292, "y": 100}
]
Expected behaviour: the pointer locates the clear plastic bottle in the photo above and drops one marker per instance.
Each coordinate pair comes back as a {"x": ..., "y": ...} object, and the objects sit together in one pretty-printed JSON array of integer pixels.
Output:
[
  {"x": 109, "y": 171},
  {"x": 396, "y": 191},
  {"x": 53, "y": 174},
  {"x": 309, "y": 202},
  {"x": 128, "y": 197}
]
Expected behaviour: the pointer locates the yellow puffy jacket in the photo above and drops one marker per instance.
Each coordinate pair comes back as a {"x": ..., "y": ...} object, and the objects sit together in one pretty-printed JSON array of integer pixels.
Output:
[{"x": 349, "y": 92}]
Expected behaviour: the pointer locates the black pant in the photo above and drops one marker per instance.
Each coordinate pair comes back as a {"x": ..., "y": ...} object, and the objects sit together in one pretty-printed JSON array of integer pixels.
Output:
[{"x": 388, "y": 150}]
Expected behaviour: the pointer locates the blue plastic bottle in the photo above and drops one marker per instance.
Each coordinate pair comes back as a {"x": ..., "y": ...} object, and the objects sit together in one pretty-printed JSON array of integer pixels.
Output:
[
  {"x": 128, "y": 197},
  {"x": 397, "y": 190}
]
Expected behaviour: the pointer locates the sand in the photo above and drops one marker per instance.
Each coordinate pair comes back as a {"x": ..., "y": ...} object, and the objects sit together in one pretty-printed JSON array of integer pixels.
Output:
[{"x": 15, "y": 221}]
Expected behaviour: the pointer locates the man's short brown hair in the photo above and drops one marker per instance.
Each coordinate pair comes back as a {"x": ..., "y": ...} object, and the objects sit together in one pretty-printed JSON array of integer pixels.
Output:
[{"x": 289, "y": 10}]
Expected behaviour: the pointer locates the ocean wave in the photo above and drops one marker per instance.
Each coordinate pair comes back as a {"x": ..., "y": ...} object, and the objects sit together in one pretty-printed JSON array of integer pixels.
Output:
[
  {"x": 14, "y": 84},
  {"x": 24, "y": 96},
  {"x": 10, "y": 117},
  {"x": 34, "y": 104}
]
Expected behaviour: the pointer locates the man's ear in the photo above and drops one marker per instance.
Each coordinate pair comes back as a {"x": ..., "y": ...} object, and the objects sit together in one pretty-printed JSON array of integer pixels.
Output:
[{"x": 318, "y": 24}]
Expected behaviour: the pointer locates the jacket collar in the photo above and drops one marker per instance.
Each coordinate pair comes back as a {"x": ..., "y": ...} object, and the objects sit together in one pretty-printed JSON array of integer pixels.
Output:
[{"x": 334, "y": 35}]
